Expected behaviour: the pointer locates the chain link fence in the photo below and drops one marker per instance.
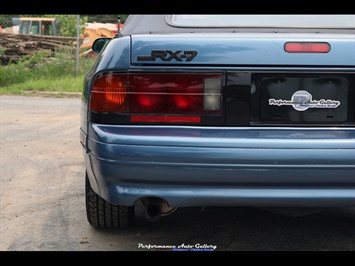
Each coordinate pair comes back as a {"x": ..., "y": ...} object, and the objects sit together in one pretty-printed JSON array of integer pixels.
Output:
[{"x": 26, "y": 35}]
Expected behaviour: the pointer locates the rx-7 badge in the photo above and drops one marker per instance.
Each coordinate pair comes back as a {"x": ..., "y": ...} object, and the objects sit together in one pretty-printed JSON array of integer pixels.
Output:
[{"x": 168, "y": 55}]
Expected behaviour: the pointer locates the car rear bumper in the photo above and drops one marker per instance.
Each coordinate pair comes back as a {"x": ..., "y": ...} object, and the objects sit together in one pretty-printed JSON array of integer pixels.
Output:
[{"x": 199, "y": 166}]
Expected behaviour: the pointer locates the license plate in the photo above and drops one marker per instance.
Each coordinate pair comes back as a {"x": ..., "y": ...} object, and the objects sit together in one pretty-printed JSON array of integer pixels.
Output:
[{"x": 320, "y": 99}]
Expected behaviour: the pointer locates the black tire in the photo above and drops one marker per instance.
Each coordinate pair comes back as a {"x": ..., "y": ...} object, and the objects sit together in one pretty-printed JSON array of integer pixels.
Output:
[{"x": 104, "y": 215}]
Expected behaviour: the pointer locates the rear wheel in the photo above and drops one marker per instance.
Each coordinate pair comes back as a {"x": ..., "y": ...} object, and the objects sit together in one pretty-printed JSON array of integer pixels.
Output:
[{"x": 102, "y": 214}]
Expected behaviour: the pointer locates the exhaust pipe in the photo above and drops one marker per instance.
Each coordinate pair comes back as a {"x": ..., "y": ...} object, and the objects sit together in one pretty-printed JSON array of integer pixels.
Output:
[{"x": 153, "y": 209}]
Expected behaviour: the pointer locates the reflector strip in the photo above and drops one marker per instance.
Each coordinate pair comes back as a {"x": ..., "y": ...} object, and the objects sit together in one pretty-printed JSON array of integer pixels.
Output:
[
  {"x": 307, "y": 47},
  {"x": 165, "y": 119}
]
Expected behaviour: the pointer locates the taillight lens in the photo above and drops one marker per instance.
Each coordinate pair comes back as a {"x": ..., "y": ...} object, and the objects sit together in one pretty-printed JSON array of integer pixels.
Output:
[
  {"x": 307, "y": 47},
  {"x": 158, "y": 95},
  {"x": 109, "y": 94}
]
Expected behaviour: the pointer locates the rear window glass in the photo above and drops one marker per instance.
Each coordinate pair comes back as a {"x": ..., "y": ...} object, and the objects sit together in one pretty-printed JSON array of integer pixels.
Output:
[{"x": 293, "y": 21}]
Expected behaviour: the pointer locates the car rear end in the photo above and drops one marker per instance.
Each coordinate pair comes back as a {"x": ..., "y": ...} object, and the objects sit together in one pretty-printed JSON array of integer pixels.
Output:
[{"x": 223, "y": 116}]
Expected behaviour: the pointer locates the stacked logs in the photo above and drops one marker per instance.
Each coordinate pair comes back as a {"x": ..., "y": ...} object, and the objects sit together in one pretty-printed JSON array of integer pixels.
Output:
[{"x": 15, "y": 46}]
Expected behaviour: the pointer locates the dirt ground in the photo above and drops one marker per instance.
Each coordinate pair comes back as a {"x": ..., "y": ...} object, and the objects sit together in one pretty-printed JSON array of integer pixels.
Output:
[{"x": 42, "y": 199}]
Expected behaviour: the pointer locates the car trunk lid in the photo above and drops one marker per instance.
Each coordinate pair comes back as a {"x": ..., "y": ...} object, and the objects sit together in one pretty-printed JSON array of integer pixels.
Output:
[{"x": 241, "y": 50}]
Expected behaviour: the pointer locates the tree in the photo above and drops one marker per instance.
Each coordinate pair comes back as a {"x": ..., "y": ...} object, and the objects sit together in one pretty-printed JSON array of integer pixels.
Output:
[
  {"x": 68, "y": 24},
  {"x": 6, "y": 20}
]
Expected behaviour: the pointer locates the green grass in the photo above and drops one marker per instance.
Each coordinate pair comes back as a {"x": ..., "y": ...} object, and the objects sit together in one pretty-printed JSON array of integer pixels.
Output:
[
  {"x": 40, "y": 74},
  {"x": 61, "y": 84}
]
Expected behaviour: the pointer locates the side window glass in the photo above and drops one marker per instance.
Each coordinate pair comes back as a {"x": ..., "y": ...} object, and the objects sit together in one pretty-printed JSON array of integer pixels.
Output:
[{"x": 35, "y": 27}]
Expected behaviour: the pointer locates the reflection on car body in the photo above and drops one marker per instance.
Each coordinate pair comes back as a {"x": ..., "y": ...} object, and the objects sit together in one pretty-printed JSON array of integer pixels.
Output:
[{"x": 219, "y": 110}]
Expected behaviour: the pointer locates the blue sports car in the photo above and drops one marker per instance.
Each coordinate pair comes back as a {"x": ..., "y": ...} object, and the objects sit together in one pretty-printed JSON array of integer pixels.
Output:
[{"x": 219, "y": 110}]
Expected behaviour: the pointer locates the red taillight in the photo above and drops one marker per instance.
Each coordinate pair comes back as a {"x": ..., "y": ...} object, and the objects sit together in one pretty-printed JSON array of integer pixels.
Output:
[
  {"x": 183, "y": 101},
  {"x": 163, "y": 97},
  {"x": 148, "y": 100},
  {"x": 307, "y": 47},
  {"x": 109, "y": 94}
]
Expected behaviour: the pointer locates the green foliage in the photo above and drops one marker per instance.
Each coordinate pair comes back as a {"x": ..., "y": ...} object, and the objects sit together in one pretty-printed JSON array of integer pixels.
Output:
[
  {"x": 63, "y": 86},
  {"x": 6, "y": 20},
  {"x": 106, "y": 18},
  {"x": 68, "y": 24},
  {"x": 12, "y": 74},
  {"x": 36, "y": 60},
  {"x": 40, "y": 72},
  {"x": 46, "y": 70}
]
